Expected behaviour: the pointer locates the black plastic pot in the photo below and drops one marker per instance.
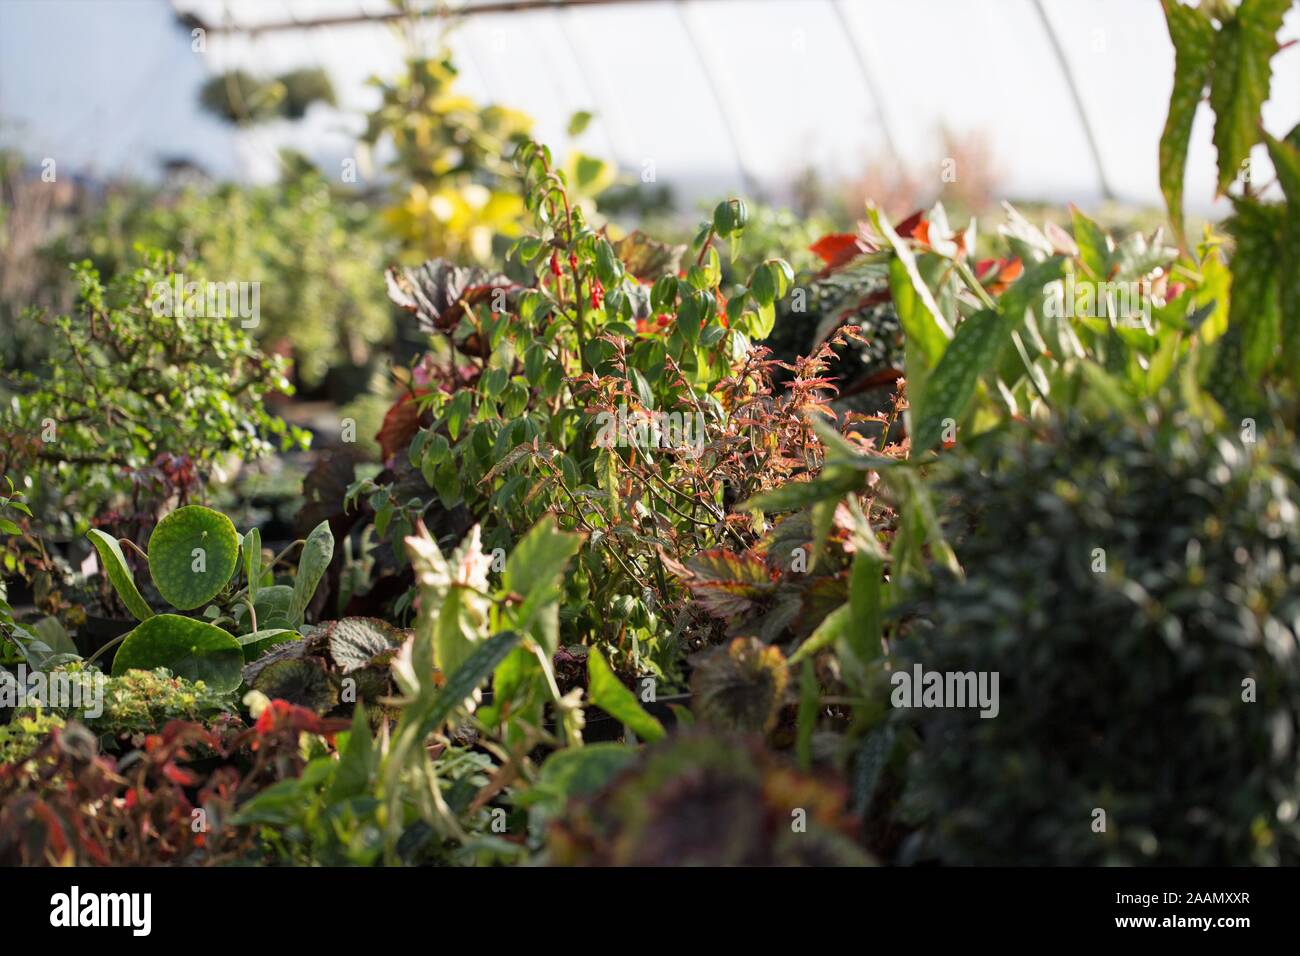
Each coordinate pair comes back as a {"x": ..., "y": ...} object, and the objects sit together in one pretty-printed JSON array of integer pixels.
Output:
[{"x": 98, "y": 631}]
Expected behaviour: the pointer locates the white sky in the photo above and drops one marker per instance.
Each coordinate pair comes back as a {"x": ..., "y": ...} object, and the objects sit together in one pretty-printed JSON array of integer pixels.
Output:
[{"x": 110, "y": 85}]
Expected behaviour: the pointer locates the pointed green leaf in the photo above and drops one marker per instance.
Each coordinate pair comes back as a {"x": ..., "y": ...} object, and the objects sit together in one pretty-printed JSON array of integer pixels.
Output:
[
  {"x": 316, "y": 555},
  {"x": 119, "y": 574},
  {"x": 608, "y": 693},
  {"x": 951, "y": 387},
  {"x": 1192, "y": 34},
  {"x": 1240, "y": 84}
]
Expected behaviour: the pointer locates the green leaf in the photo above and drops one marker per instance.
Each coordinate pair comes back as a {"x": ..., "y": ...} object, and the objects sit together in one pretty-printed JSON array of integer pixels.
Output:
[
  {"x": 355, "y": 762},
  {"x": 575, "y": 772},
  {"x": 458, "y": 411},
  {"x": 873, "y": 757},
  {"x": 252, "y": 548},
  {"x": 1286, "y": 160},
  {"x": 119, "y": 575},
  {"x": 950, "y": 388},
  {"x": 1254, "y": 309},
  {"x": 1192, "y": 34},
  {"x": 1240, "y": 84},
  {"x": 833, "y": 483},
  {"x": 272, "y": 606},
  {"x": 918, "y": 313},
  {"x": 192, "y": 555},
  {"x": 537, "y": 562},
  {"x": 578, "y": 122},
  {"x": 866, "y": 605},
  {"x": 54, "y": 635},
  {"x": 608, "y": 693},
  {"x": 1094, "y": 246},
  {"x": 832, "y": 627},
  {"x": 315, "y": 560},
  {"x": 186, "y": 647},
  {"x": 806, "y": 721},
  {"x": 259, "y": 642},
  {"x": 475, "y": 669}
]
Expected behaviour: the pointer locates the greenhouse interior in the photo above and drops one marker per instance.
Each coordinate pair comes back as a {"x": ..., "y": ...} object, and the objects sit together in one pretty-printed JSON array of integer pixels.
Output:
[{"x": 652, "y": 433}]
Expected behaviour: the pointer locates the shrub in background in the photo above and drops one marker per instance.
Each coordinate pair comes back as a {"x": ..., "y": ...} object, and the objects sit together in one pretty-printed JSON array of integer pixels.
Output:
[{"x": 1136, "y": 589}]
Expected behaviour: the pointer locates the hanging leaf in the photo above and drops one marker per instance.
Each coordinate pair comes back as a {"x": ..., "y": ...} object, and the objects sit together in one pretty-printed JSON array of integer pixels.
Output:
[
  {"x": 1242, "y": 50},
  {"x": 1192, "y": 34},
  {"x": 119, "y": 574},
  {"x": 608, "y": 693}
]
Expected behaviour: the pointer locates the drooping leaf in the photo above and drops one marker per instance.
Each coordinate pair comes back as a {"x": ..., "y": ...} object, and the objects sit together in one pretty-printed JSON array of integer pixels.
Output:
[
  {"x": 1243, "y": 48},
  {"x": 1192, "y": 34},
  {"x": 1254, "y": 309},
  {"x": 188, "y": 648},
  {"x": 119, "y": 574},
  {"x": 192, "y": 555},
  {"x": 608, "y": 693}
]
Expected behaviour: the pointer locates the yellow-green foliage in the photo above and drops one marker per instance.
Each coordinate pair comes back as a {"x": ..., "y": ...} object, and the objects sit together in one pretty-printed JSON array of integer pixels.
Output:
[
  {"x": 24, "y": 734},
  {"x": 142, "y": 701}
]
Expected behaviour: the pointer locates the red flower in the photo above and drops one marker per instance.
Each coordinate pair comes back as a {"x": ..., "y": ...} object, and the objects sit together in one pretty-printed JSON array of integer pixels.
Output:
[
  {"x": 597, "y": 294},
  {"x": 555, "y": 265}
]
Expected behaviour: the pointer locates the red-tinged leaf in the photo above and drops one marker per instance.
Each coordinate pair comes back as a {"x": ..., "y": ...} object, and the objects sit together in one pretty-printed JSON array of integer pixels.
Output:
[
  {"x": 909, "y": 225},
  {"x": 725, "y": 599},
  {"x": 920, "y": 232},
  {"x": 401, "y": 422},
  {"x": 996, "y": 275},
  {"x": 727, "y": 567},
  {"x": 838, "y": 249}
]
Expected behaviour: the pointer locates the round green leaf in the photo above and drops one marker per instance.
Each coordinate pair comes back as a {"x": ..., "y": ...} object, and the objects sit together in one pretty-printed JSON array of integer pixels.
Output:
[
  {"x": 186, "y": 647},
  {"x": 192, "y": 555}
]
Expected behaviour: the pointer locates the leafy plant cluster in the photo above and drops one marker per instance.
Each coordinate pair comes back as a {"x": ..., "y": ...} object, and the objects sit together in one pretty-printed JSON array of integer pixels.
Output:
[
  {"x": 135, "y": 404},
  {"x": 1078, "y": 474}
]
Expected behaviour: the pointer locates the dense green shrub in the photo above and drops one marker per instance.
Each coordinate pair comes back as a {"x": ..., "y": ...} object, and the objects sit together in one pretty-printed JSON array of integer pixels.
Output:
[
  {"x": 133, "y": 393},
  {"x": 1131, "y": 585}
]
